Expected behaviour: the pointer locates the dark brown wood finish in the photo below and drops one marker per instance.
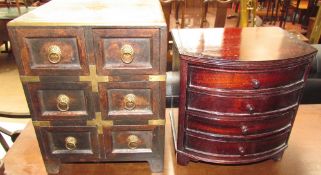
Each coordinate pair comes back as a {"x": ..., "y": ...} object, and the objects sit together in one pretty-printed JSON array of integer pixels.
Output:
[
  {"x": 95, "y": 87},
  {"x": 240, "y": 90}
]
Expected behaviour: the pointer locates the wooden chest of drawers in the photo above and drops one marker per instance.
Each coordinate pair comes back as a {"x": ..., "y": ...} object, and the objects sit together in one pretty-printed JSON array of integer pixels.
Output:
[
  {"x": 94, "y": 78},
  {"x": 240, "y": 90}
]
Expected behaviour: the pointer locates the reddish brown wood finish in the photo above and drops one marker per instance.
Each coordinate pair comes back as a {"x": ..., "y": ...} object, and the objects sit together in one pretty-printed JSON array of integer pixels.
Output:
[{"x": 238, "y": 102}]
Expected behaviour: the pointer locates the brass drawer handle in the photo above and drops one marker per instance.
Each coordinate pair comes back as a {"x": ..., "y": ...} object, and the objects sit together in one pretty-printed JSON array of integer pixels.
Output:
[
  {"x": 54, "y": 54},
  {"x": 244, "y": 129},
  {"x": 256, "y": 84},
  {"x": 241, "y": 150},
  {"x": 133, "y": 141},
  {"x": 127, "y": 53},
  {"x": 70, "y": 143},
  {"x": 63, "y": 102},
  {"x": 130, "y": 101},
  {"x": 250, "y": 108}
]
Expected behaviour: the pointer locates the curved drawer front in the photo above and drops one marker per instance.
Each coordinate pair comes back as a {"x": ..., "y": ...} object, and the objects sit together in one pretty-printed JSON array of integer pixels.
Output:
[
  {"x": 215, "y": 146},
  {"x": 53, "y": 51},
  {"x": 244, "y": 80},
  {"x": 241, "y": 105},
  {"x": 70, "y": 143},
  {"x": 129, "y": 100},
  {"x": 63, "y": 101},
  {"x": 223, "y": 127},
  {"x": 126, "y": 51}
]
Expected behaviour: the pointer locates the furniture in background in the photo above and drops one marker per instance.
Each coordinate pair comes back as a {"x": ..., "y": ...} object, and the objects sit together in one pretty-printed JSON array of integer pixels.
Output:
[
  {"x": 95, "y": 85},
  {"x": 238, "y": 105}
]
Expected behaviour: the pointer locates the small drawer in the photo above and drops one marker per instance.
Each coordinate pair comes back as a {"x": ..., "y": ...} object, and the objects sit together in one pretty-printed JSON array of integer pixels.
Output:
[
  {"x": 238, "y": 127},
  {"x": 70, "y": 143},
  {"x": 127, "y": 51},
  {"x": 61, "y": 101},
  {"x": 244, "y": 80},
  {"x": 218, "y": 146},
  {"x": 129, "y": 100},
  {"x": 138, "y": 139},
  {"x": 53, "y": 51},
  {"x": 243, "y": 105}
]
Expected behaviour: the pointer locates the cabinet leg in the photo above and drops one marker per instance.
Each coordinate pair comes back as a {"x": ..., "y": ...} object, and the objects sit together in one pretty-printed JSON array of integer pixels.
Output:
[
  {"x": 278, "y": 156},
  {"x": 156, "y": 165},
  {"x": 182, "y": 159},
  {"x": 52, "y": 166}
]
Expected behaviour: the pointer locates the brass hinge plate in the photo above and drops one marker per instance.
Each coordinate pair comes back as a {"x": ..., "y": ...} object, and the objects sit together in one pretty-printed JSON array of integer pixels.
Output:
[
  {"x": 41, "y": 123},
  {"x": 157, "y": 78},
  {"x": 158, "y": 122},
  {"x": 27, "y": 79}
]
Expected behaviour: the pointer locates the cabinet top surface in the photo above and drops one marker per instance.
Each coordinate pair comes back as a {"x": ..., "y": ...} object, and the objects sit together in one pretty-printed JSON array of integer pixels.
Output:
[
  {"x": 240, "y": 44},
  {"x": 94, "y": 13}
]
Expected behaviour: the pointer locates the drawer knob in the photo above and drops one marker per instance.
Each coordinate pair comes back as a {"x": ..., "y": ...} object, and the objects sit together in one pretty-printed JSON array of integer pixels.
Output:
[
  {"x": 241, "y": 150},
  {"x": 250, "y": 108},
  {"x": 63, "y": 102},
  {"x": 256, "y": 84},
  {"x": 130, "y": 103},
  {"x": 244, "y": 129},
  {"x": 70, "y": 143},
  {"x": 133, "y": 141},
  {"x": 127, "y": 53},
  {"x": 54, "y": 54}
]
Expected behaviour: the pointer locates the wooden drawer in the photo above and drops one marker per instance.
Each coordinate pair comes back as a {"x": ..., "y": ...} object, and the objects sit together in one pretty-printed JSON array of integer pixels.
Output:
[
  {"x": 241, "y": 105},
  {"x": 244, "y": 80},
  {"x": 127, "y": 51},
  {"x": 234, "y": 127},
  {"x": 61, "y": 101},
  {"x": 223, "y": 146},
  {"x": 70, "y": 143},
  {"x": 129, "y": 100},
  {"x": 52, "y": 51},
  {"x": 133, "y": 140}
]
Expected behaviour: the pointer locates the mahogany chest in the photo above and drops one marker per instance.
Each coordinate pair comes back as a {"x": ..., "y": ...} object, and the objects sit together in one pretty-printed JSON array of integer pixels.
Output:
[
  {"x": 93, "y": 73},
  {"x": 239, "y": 92}
]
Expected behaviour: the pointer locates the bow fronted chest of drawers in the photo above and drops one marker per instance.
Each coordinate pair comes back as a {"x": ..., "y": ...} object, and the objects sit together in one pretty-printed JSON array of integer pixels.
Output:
[
  {"x": 240, "y": 91},
  {"x": 93, "y": 73}
]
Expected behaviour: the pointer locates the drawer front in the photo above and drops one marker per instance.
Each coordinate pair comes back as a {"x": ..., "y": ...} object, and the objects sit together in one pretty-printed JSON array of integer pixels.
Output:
[
  {"x": 239, "y": 127},
  {"x": 241, "y": 80},
  {"x": 61, "y": 101},
  {"x": 129, "y": 100},
  {"x": 216, "y": 147},
  {"x": 128, "y": 140},
  {"x": 70, "y": 143},
  {"x": 127, "y": 51},
  {"x": 53, "y": 51},
  {"x": 241, "y": 105}
]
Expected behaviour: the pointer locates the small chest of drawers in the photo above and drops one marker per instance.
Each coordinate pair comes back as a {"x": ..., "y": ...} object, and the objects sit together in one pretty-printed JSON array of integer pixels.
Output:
[
  {"x": 94, "y": 78},
  {"x": 240, "y": 90}
]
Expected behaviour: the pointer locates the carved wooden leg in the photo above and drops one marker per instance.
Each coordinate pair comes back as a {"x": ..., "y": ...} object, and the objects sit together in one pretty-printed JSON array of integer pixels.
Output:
[
  {"x": 182, "y": 159},
  {"x": 278, "y": 156},
  {"x": 52, "y": 166},
  {"x": 156, "y": 165}
]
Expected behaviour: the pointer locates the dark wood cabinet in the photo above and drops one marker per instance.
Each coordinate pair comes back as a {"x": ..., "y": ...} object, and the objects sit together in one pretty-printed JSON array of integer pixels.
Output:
[
  {"x": 94, "y": 78},
  {"x": 240, "y": 90}
]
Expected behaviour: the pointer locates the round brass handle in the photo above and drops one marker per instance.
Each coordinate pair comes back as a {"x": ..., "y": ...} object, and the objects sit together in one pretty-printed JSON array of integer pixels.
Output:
[
  {"x": 244, "y": 129},
  {"x": 133, "y": 141},
  {"x": 63, "y": 102},
  {"x": 130, "y": 101},
  {"x": 54, "y": 54},
  {"x": 256, "y": 84},
  {"x": 250, "y": 108},
  {"x": 127, "y": 53},
  {"x": 70, "y": 143}
]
